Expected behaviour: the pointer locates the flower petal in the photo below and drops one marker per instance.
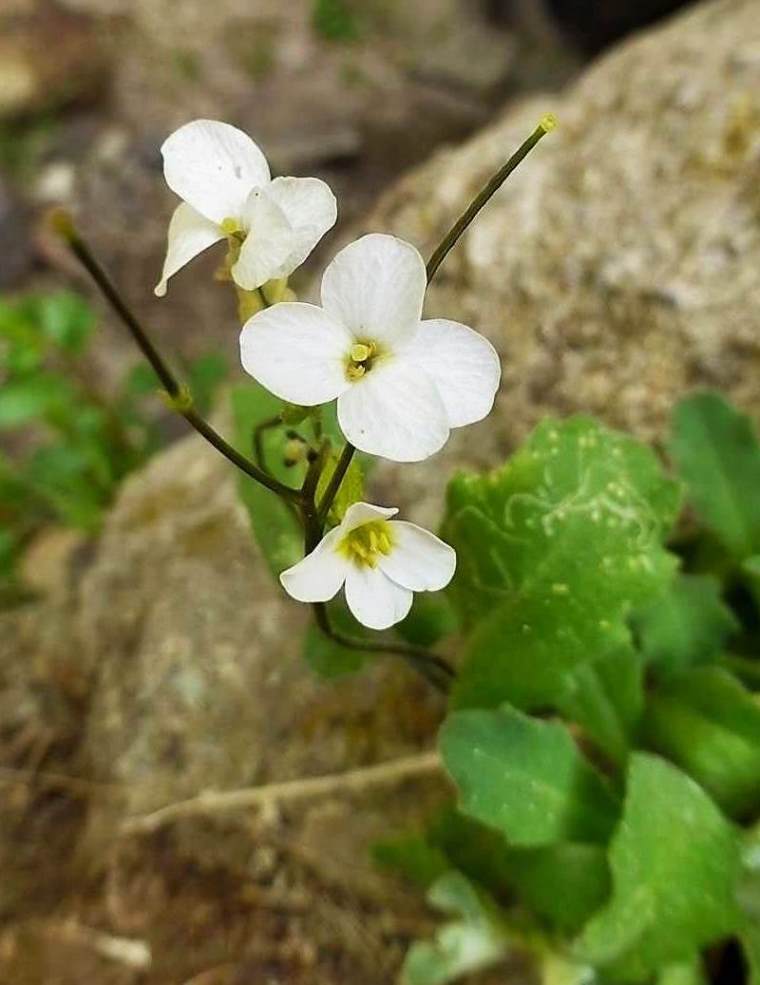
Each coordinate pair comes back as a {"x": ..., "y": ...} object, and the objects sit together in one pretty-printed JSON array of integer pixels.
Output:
[
  {"x": 464, "y": 365},
  {"x": 320, "y": 575},
  {"x": 213, "y": 166},
  {"x": 189, "y": 234},
  {"x": 296, "y": 351},
  {"x": 269, "y": 243},
  {"x": 375, "y": 287},
  {"x": 418, "y": 560},
  {"x": 311, "y": 210},
  {"x": 395, "y": 412},
  {"x": 360, "y": 513},
  {"x": 375, "y": 600}
]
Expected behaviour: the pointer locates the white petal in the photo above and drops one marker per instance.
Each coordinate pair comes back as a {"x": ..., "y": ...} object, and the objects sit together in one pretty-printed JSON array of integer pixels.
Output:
[
  {"x": 269, "y": 243},
  {"x": 418, "y": 559},
  {"x": 213, "y": 166},
  {"x": 360, "y": 513},
  {"x": 376, "y": 286},
  {"x": 189, "y": 234},
  {"x": 395, "y": 412},
  {"x": 464, "y": 366},
  {"x": 297, "y": 352},
  {"x": 375, "y": 600},
  {"x": 320, "y": 575},
  {"x": 311, "y": 210}
]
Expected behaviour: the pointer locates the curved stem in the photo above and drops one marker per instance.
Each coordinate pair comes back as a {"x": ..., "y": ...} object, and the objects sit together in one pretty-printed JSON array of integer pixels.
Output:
[
  {"x": 258, "y": 440},
  {"x": 433, "y": 668},
  {"x": 448, "y": 242},
  {"x": 180, "y": 397}
]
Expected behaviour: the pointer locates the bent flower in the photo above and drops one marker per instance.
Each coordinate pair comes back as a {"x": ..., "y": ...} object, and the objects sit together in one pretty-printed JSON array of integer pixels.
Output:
[
  {"x": 401, "y": 383},
  {"x": 380, "y": 561},
  {"x": 226, "y": 189}
]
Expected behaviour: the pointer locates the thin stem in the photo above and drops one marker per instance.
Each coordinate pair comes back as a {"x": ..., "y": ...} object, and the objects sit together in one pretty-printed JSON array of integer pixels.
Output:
[
  {"x": 180, "y": 398},
  {"x": 335, "y": 480},
  {"x": 448, "y": 242},
  {"x": 433, "y": 668}
]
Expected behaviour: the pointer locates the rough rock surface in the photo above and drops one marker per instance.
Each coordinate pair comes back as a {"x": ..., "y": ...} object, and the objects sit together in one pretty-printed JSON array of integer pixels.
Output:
[{"x": 619, "y": 266}]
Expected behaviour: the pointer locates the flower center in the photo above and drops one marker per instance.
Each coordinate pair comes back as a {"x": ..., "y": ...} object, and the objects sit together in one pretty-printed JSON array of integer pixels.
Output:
[
  {"x": 363, "y": 545},
  {"x": 361, "y": 356}
]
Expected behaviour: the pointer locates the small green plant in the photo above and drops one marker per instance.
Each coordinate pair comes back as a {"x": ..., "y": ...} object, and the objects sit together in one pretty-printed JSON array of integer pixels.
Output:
[
  {"x": 69, "y": 443},
  {"x": 604, "y": 734}
]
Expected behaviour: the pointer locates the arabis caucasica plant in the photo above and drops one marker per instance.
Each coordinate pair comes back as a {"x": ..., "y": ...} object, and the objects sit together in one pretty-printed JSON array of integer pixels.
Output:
[
  {"x": 227, "y": 192},
  {"x": 401, "y": 382},
  {"x": 380, "y": 562}
]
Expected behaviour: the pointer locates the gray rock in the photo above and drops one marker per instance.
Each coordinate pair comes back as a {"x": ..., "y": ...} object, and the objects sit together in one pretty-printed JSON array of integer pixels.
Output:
[{"x": 618, "y": 267}]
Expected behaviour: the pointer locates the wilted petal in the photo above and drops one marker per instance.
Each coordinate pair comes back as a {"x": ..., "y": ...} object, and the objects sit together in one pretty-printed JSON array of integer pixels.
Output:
[
  {"x": 418, "y": 559},
  {"x": 296, "y": 351},
  {"x": 265, "y": 254},
  {"x": 395, "y": 412},
  {"x": 375, "y": 600},
  {"x": 375, "y": 287},
  {"x": 464, "y": 366},
  {"x": 311, "y": 210},
  {"x": 189, "y": 234},
  {"x": 320, "y": 575},
  {"x": 213, "y": 166}
]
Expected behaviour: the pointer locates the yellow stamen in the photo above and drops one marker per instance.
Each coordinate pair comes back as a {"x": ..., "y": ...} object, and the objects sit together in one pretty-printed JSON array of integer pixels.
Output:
[
  {"x": 363, "y": 545},
  {"x": 230, "y": 226}
]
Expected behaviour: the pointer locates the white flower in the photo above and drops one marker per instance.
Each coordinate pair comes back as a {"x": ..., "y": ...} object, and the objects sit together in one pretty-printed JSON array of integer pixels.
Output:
[
  {"x": 380, "y": 561},
  {"x": 226, "y": 189},
  {"x": 401, "y": 383}
]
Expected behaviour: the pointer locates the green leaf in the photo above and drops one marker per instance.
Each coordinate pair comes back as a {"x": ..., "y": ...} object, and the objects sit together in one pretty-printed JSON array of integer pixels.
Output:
[
  {"x": 413, "y": 857},
  {"x": 351, "y": 488},
  {"x": 686, "y": 626},
  {"x": 475, "y": 941},
  {"x": 689, "y": 972},
  {"x": 204, "y": 376},
  {"x": 751, "y": 570},
  {"x": 708, "y": 724},
  {"x": 554, "y": 549},
  {"x": 329, "y": 659},
  {"x": 718, "y": 454},
  {"x": 66, "y": 319},
  {"x": 526, "y": 778},
  {"x": 564, "y": 883},
  {"x": 275, "y": 528},
  {"x": 750, "y": 941},
  {"x": 606, "y": 697},
  {"x": 32, "y": 398},
  {"x": 432, "y": 617},
  {"x": 675, "y": 864}
]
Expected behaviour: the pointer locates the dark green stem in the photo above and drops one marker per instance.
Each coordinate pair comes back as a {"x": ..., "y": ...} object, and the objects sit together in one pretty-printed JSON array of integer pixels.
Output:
[
  {"x": 181, "y": 400},
  {"x": 485, "y": 194}
]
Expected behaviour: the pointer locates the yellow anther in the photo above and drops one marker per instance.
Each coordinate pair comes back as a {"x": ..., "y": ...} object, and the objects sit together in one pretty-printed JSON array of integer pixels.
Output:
[
  {"x": 360, "y": 352},
  {"x": 230, "y": 226},
  {"x": 363, "y": 545},
  {"x": 355, "y": 371}
]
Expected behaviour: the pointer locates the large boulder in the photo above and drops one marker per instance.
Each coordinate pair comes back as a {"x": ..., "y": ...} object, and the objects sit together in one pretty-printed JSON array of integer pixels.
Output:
[{"x": 619, "y": 266}]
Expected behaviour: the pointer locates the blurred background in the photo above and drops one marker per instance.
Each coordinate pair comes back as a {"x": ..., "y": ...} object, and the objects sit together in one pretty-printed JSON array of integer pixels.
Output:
[{"x": 404, "y": 108}]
